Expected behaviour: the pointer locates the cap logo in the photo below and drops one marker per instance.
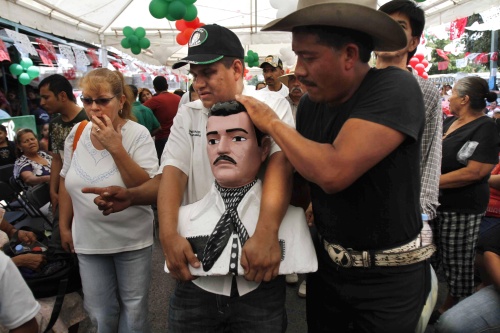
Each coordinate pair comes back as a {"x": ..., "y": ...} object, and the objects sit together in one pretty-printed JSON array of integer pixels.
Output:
[{"x": 198, "y": 37}]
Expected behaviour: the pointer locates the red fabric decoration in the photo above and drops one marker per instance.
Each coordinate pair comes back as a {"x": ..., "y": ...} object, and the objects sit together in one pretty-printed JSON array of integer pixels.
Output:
[
  {"x": 457, "y": 28},
  {"x": 494, "y": 56},
  {"x": 94, "y": 58},
  {"x": 443, "y": 54},
  {"x": 69, "y": 73},
  {"x": 44, "y": 55},
  {"x": 4, "y": 53},
  {"x": 482, "y": 58},
  {"x": 47, "y": 46}
]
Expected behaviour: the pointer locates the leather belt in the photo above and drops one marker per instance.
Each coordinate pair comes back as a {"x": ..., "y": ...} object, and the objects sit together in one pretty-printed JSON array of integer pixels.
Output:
[{"x": 406, "y": 254}]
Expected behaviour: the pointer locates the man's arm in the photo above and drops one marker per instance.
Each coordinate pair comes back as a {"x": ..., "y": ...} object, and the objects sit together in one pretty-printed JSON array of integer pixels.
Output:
[
  {"x": 261, "y": 254},
  {"x": 30, "y": 326},
  {"x": 113, "y": 199},
  {"x": 55, "y": 169},
  {"x": 359, "y": 146},
  {"x": 176, "y": 249}
]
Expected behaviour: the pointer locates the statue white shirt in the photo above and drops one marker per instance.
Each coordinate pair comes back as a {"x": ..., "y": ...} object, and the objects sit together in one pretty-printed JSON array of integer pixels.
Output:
[{"x": 199, "y": 219}]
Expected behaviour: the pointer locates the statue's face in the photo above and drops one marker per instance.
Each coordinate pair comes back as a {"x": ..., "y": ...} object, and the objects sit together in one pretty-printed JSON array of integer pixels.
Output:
[{"x": 233, "y": 151}]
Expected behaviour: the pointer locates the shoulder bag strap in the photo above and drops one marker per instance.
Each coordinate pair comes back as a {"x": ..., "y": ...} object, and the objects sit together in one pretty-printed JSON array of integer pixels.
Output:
[{"x": 78, "y": 133}]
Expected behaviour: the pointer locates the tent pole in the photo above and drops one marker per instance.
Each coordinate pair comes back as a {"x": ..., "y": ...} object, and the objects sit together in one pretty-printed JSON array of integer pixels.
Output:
[{"x": 494, "y": 63}]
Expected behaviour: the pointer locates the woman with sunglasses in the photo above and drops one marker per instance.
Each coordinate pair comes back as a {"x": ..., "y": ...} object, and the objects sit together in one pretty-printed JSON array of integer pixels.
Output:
[{"x": 114, "y": 251}]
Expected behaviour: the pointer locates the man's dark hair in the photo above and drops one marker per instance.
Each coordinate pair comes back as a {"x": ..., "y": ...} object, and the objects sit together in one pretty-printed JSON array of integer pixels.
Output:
[
  {"x": 338, "y": 37},
  {"x": 134, "y": 89},
  {"x": 415, "y": 14},
  {"x": 225, "y": 109},
  {"x": 228, "y": 61},
  {"x": 179, "y": 92},
  {"x": 57, "y": 84},
  {"x": 160, "y": 84}
]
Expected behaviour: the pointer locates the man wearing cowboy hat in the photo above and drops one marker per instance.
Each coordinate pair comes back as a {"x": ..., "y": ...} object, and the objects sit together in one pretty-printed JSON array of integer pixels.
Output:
[
  {"x": 295, "y": 88},
  {"x": 360, "y": 154}
]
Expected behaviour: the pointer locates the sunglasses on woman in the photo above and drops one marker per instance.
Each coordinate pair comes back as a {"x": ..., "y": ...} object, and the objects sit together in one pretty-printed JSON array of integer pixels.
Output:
[{"x": 98, "y": 101}]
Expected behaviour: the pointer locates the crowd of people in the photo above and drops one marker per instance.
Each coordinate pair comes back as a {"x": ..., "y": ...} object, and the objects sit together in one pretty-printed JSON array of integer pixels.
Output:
[{"x": 330, "y": 170}]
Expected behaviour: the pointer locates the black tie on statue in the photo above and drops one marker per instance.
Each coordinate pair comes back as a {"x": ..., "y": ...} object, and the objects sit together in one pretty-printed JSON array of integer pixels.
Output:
[{"x": 228, "y": 224}]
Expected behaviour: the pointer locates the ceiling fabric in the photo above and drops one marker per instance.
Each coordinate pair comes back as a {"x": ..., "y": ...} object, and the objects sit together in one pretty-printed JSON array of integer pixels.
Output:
[{"x": 101, "y": 22}]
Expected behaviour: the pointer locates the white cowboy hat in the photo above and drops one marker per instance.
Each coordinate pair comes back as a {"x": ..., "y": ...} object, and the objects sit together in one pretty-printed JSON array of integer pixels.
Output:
[
  {"x": 362, "y": 16},
  {"x": 284, "y": 78}
]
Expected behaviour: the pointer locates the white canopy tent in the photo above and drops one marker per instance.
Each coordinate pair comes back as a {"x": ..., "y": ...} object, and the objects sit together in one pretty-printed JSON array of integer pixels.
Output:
[{"x": 101, "y": 22}]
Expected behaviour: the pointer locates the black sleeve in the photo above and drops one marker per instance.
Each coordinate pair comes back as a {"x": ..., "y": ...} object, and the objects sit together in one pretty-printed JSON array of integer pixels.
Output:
[{"x": 487, "y": 149}]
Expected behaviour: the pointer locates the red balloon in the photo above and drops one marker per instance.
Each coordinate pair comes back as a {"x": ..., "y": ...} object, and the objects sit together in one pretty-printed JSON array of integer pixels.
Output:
[
  {"x": 193, "y": 24},
  {"x": 414, "y": 61},
  {"x": 180, "y": 25},
  {"x": 188, "y": 32},
  {"x": 425, "y": 63},
  {"x": 420, "y": 69},
  {"x": 420, "y": 56},
  {"x": 181, "y": 38},
  {"x": 425, "y": 75}
]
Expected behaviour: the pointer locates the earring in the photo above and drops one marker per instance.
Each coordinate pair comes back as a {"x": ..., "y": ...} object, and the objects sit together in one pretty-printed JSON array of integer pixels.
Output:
[{"x": 120, "y": 112}]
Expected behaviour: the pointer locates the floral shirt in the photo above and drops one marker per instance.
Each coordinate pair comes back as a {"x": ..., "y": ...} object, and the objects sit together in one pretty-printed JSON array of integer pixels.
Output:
[{"x": 23, "y": 163}]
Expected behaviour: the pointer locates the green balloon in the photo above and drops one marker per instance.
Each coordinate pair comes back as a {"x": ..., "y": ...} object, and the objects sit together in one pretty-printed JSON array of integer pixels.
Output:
[
  {"x": 24, "y": 79},
  {"x": 144, "y": 43},
  {"x": 177, "y": 9},
  {"x": 246, "y": 59},
  {"x": 26, "y": 62},
  {"x": 136, "y": 49},
  {"x": 255, "y": 57},
  {"x": 133, "y": 40},
  {"x": 170, "y": 17},
  {"x": 33, "y": 72},
  {"x": 191, "y": 13},
  {"x": 140, "y": 32},
  {"x": 188, "y": 2},
  {"x": 158, "y": 8},
  {"x": 125, "y": 43},
  {"x": 128, "y": 31},
  {"x": 15, "y": 69}
]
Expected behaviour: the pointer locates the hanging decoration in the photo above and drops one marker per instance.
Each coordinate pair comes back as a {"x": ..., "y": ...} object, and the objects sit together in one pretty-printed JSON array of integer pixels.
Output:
[
  {"x": 252, "y": 59},
  {"x": 420, "y": 65},
  {"x": 25, "y": 71},
  {"x": 135, "y": 40},
  {"x": 173, "y": 10},
  {"x": 186, "y": 29}
]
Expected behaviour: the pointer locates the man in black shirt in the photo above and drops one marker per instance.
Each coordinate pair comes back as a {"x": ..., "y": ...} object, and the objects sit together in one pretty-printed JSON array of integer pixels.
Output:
[{"x": 360, "y": 153}]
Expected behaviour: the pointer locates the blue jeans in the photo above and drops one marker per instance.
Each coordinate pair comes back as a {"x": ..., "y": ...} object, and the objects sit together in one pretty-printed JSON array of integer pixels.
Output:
[
  {"x": 488, "y": 222},
  {"x": 115, "y": 290},
  {"x": 479, "y": 312},
  {"x": 194, "y": 310}
]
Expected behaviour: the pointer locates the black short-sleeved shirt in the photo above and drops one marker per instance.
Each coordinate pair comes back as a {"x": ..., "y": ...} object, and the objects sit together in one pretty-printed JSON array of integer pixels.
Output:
[
  {"x": 59, "y": 130},
  {"x": 477, "y": 141},
  {"x": 381, "y": 209},
  {"x": 8, "y": 154}
]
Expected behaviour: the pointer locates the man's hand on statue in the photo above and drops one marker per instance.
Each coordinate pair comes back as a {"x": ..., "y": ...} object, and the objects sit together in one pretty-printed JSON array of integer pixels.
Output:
[
  {"x": 111, "y": 199},
  {"x": 178, "y": 255},
  {"x": 261, "y": 257},
  {"x": 261, "y": 114}
]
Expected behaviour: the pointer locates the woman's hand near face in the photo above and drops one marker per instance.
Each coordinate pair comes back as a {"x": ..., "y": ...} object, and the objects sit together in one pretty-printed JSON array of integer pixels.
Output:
[{"x": 106, "y": 134}]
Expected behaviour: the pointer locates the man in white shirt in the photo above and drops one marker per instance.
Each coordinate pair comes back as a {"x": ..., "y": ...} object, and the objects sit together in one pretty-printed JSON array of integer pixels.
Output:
[{"x": 272, "y": 67}]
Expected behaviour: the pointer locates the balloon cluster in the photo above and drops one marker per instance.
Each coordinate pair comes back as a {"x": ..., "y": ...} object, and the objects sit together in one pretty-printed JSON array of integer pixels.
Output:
[
  {"x": 25, "y": 71},
  {"x": 186, "y": 29},
  {"x": 173, "y": 10},
  {"x": 420, "y": 64},
  {"x": 288, "y": 57},
  {"x": 135, "y": 40},
  {"x": 252, "y": 59},
  {"x": 284, "y": 7}
]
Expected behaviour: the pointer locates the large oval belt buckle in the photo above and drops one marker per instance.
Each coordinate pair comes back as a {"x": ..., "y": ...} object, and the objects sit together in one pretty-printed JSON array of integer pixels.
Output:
[{"x": 340, "y": 256}]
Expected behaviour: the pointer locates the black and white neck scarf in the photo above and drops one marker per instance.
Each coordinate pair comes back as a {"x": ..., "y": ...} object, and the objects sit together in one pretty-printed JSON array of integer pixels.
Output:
[{"x": 228, "y": 224}]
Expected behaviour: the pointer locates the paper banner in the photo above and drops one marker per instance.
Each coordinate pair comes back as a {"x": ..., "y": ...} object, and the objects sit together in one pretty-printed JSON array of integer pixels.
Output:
[
  {"x": 4, "y": 53},
  {"x": 81, "y": 59},
  {"x": 443, "y": 65},
  {"x": 67, "y": 53},
  {"x": 47, "y": 46},
  {"x": 461, "y": 63},
  {"x": 21, "y": 42},
  {"x": 482, "y": 58},
  {"x": 442, "y": 54},
  {"x": 93, "y": 58},
  {"x": 44, "y": 55},
  {"x": 457, "y": 28}
]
